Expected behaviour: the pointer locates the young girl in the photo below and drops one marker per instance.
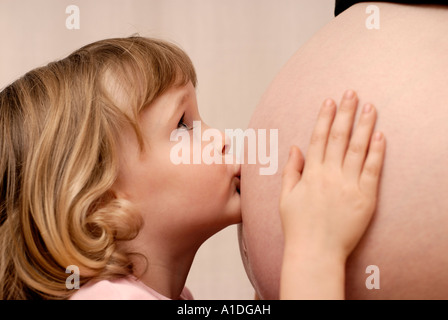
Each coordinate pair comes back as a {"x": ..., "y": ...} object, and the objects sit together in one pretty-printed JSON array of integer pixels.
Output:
[{"x": 87, "y": 181}]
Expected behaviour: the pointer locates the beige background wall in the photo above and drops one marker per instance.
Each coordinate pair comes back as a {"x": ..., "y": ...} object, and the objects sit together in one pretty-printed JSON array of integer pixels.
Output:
[{"x": 237, "y": 47}]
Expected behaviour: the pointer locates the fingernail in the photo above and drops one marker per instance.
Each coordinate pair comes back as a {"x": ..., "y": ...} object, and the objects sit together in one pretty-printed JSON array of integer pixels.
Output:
[
  {"x": 367, "y": 108},
  {"x": 378, "y": 136},
  {"x": 328, "y": 103},
  {"x": 349, "y": 94}
]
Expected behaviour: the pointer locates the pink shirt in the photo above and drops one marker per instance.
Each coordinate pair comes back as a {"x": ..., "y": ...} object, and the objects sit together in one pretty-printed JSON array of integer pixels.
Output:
[{"x": 128, "y": 288}]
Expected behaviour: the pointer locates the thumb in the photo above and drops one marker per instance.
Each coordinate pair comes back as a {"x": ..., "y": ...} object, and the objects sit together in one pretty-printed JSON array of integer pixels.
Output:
[{"x": 292, "y": 171}]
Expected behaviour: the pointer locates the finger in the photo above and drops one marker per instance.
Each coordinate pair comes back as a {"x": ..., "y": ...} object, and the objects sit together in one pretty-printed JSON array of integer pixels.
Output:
[
  {"x": 359, "y": 142},
  {"x": 292, "y": 171},
  {"x": 341, "y": 129},
  {"x": 373, "y": 165},
  {"x": 319, "y": 137}
]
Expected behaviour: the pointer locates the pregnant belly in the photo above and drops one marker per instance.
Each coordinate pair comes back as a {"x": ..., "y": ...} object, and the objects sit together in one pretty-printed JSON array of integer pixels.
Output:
[{"x": 402, "y": 68}]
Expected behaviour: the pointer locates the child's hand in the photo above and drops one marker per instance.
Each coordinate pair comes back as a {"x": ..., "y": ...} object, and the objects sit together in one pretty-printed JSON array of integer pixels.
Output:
[{"x": 326, "y": 208}]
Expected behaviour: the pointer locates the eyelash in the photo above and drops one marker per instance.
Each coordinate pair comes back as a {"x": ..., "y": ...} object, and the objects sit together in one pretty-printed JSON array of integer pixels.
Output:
[{"x": 183, "y": 124}]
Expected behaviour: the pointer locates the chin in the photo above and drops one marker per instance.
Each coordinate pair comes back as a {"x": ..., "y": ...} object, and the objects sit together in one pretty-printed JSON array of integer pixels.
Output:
[
  {"x": 231, "y": 213},
  {"x": 235, "y": 214}
]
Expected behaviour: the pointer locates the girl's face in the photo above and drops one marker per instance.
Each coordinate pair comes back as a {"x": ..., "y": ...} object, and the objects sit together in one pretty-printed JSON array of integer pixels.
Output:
[{"x": 180, "y": 203}]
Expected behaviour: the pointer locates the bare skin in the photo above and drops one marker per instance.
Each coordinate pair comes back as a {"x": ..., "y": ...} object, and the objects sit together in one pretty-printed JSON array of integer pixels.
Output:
[{"x": 402, "y": 69}]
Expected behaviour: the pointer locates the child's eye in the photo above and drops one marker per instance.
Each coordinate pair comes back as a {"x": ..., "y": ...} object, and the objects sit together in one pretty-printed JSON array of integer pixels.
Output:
[{"x": 182, "y": 124}]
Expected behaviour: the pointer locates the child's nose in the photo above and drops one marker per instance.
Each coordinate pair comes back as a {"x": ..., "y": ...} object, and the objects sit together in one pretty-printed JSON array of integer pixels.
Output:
[{"x": 226, "y": 144}]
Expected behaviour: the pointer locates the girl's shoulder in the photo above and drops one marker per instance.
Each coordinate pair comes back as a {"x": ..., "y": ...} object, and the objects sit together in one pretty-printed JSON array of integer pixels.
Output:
[{"x": 128, "y": 288}]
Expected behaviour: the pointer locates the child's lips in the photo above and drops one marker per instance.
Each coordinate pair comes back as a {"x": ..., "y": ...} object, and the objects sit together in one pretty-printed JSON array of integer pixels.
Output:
[
  {"x": 238, "y": 181},
  {"x": 238, "y": 177}
]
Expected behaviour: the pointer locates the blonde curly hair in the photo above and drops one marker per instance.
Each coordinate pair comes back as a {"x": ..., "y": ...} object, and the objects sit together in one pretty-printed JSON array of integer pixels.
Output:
[{"x": 59, "y": 127}]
